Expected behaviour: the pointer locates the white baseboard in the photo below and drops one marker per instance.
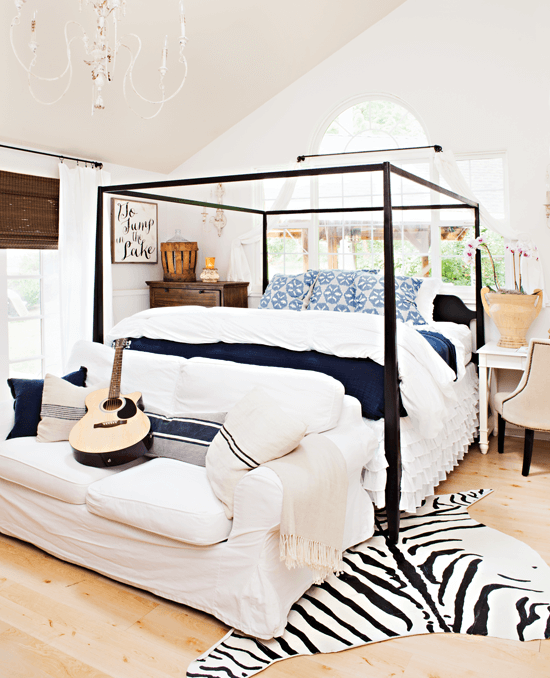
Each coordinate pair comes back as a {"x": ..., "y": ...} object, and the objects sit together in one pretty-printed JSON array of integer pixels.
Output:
[
  {"x": 131, "y": 293},
  {"x": 518, "y": 432}
]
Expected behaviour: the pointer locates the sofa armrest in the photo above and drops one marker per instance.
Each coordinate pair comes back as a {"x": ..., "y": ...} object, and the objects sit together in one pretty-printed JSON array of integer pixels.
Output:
[
  {"x": 354, "y": 439},
  {"x": 258, "y": 503},
  {"x": 7, "y": 418}
]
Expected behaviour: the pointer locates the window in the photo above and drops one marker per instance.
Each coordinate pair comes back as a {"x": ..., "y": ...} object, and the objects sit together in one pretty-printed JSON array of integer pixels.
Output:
[
  {"x": 32, "y": 319},
  {"x": 288, "y": 239},
  {"x": 28, "y": 276},
  {"x": 486, "y": 176},
  {"x": 425, "y": 243}
]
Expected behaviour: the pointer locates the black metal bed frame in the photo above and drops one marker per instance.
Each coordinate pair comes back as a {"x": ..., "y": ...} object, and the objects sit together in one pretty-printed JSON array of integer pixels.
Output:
[{"x": 391, "y": 376}]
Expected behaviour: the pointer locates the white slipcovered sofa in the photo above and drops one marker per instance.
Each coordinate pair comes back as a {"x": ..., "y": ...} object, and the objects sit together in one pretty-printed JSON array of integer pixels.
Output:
[{"x": 156, "y": 524}]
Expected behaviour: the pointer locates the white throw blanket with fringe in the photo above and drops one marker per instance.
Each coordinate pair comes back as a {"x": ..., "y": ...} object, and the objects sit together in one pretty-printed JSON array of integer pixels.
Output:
[{"x": 315, "y": 489}]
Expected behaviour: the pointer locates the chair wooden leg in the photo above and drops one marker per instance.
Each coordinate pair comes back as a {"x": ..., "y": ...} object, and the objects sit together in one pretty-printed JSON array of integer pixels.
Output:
[
  {"x": 501, "y": 432},
  {"x": 527, "y": 451}
]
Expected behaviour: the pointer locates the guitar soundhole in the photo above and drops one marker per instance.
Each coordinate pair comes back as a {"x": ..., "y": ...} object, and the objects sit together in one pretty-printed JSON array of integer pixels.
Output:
[{"x": 112, "y": 404}]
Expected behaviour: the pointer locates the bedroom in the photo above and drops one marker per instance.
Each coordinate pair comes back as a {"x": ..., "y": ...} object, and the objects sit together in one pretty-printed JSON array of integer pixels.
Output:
[{"x": 486, "y": 92}]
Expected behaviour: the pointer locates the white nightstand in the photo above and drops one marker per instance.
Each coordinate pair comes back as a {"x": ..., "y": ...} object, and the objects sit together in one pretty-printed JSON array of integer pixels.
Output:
[{"x": 493, "y": 356}]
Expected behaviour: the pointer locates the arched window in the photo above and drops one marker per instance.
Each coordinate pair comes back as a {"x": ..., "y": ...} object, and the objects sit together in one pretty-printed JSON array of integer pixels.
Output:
[
  {"x": 354, "y": 241},
  {"x": 376, "y": 124},
  {"x": 426, "y": 243}
]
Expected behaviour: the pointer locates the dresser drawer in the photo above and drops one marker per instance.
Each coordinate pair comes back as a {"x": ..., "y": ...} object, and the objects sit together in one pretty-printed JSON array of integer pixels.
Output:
[{"x": 172, "y": 296}]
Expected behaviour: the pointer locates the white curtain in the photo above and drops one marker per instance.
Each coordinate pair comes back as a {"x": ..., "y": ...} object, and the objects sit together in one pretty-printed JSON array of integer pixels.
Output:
[
  {"x": 239, "y": 268},
  {"x": 445, "y": 164},
  {"x": 77, "y": 233}
]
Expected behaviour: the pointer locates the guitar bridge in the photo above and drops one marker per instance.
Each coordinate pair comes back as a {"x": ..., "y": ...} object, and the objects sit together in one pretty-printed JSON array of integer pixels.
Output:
[{"x": 110, "y": 424}]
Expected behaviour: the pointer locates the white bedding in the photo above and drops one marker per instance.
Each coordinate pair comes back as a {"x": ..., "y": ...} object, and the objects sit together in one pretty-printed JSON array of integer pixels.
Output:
[{"x": 426, "y": 380}]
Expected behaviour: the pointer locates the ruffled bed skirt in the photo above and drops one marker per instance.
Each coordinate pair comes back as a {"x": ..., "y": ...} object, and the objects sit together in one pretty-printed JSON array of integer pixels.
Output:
[{"x": 426, "y": 463}]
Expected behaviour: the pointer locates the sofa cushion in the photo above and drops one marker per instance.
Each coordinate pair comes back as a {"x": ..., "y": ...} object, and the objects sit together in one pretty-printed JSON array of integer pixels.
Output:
[
  {"x": 164, "y": 496},
  {"x": 63, "y": 405},
  {"x": 218, "y": 385},
  {"x": 154, "y": 376},
  {"x": 185, "y": 437},
  {"x": 49, "y": 469},
  {"x": 27, "y": 395},
  {"x": 256, "y": 430}
]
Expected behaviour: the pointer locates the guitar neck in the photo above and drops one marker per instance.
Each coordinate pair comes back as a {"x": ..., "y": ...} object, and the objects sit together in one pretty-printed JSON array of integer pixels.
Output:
[{"x": 114, "y": 388}]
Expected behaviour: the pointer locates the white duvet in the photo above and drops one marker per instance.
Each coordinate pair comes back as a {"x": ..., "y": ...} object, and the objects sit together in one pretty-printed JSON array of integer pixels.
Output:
[{"x": 426, "y": 380}]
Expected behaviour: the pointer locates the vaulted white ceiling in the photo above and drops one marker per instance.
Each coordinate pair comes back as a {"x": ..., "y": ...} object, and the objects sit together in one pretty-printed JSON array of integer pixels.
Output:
[{"x": 240, "y": 54}]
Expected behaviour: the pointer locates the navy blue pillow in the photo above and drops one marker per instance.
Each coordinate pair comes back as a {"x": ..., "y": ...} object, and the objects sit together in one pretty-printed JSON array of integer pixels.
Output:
[{"x": 27, "y": 397}]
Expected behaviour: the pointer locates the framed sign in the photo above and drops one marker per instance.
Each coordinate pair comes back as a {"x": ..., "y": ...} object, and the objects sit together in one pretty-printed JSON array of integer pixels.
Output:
[{"x": 134, "y": 232}]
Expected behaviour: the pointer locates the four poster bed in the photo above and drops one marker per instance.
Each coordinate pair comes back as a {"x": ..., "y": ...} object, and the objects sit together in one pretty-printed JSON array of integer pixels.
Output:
[{"x": 247, "y": 335}]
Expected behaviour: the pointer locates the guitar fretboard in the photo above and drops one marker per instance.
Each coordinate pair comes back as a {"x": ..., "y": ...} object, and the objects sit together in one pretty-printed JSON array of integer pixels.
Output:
[{"x": 114, "y": 388}]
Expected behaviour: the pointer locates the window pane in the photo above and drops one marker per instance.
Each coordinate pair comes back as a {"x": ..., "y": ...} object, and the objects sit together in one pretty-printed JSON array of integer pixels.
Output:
[
  {"x": 275, "y": 252},
  {"x": 24, "y": 339},
  {"x": 455, "y": 270},
  {"x": 287, "y": 250},
  {"x": 453, "y": 242},
  {"x": 486, "y": 179},
  {"x": 23, "y": 297},
  {"x": 23, "y": 262},
  {"x": 30, "y": 369},
  {"x": 488, "y": 275}
]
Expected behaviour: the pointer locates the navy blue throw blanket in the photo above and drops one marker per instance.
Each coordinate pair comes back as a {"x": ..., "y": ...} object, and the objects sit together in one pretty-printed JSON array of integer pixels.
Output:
[{"x": 362, "y": 378}]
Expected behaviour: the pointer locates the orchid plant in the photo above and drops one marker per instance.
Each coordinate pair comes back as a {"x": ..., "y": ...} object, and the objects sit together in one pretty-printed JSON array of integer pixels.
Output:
[{"x": 518, "y": 250}]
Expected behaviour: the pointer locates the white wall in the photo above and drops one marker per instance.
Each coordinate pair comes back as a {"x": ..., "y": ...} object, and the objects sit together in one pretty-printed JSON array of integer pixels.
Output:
[{"x": 477, "y": 72}]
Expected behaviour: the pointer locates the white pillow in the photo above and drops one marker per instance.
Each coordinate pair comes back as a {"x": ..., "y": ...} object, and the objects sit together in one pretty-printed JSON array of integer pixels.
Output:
[
  {"x": 154, "y": 376},
  {"x": 208, "y": 385},
  {"x": 62, "y": 407},
  {"x": 255, "y": 431},
  {"x": 425, "y": 298}
]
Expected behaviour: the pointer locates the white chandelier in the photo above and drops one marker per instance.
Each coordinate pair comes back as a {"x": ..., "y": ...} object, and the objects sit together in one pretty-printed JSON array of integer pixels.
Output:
[{"x": 102, "y": 53}]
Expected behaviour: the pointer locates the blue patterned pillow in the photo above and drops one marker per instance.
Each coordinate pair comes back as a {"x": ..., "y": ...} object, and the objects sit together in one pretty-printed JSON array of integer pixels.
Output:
[
  {"x": 288, "y": 291},
  {"x": 333, "y": 291},
  {"x": 369, "y": 296}
]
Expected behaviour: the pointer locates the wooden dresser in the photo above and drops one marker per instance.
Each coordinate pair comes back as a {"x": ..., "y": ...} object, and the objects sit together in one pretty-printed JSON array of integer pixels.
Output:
[{"x": 221, "y": 293}]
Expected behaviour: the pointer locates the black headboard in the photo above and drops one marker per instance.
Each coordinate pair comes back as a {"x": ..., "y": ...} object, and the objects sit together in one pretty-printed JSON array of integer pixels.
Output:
[{"x": 448, "y": 308}]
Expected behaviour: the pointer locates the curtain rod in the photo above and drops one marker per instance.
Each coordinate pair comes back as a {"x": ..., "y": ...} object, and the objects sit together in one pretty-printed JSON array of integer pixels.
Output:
[
  {"x": 436, "y": 148},
  {"x": 61, "y": 157}
]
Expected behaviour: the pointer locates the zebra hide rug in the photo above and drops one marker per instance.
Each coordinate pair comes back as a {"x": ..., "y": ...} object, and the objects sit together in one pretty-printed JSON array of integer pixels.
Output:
[{"x": 448, "y": 574}]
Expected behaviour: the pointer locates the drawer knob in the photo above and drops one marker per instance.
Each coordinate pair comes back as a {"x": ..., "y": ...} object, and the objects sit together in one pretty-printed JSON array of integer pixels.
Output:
[
  {"x": 201, "y": 291},
  {"x": 167, "y": 290}
]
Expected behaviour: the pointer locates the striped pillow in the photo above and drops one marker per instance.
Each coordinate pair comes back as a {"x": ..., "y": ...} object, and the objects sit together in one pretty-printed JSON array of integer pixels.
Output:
[
  {"x": 256, "y": 431},
  {"x": 185, "y": 437},
  {"x": 62, "y": 406}
]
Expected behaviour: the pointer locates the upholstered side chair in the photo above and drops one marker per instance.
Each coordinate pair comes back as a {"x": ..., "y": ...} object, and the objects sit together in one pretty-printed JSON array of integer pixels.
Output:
[{"x": 529, "y": 405}]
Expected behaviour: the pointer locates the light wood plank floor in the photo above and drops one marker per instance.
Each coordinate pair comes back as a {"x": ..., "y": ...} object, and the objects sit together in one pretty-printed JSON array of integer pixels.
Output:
[{"x": 61, "y": 621}]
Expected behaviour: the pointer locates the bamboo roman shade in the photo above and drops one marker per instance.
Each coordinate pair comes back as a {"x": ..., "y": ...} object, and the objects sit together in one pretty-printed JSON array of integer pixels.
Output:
[{"x": 29, "y": 211}]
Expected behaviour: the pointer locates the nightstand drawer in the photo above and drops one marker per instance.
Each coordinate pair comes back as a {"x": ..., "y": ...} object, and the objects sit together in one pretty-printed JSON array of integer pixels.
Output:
[
  {"x": 171, "y": 296},
  {"x": 220, "y": 293}
]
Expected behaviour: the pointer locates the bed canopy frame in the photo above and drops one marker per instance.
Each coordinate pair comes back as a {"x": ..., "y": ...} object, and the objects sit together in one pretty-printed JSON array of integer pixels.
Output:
[{"x": 445, "y": 307}]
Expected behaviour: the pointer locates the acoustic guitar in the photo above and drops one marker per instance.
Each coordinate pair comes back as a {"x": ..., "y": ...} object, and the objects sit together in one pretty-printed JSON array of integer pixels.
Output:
[{"x": 114, "y": 429}]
